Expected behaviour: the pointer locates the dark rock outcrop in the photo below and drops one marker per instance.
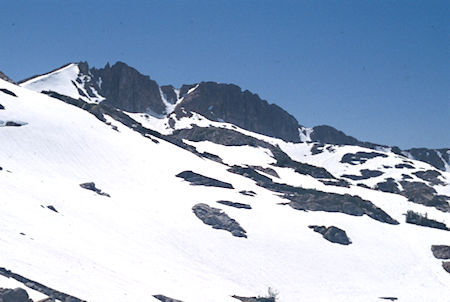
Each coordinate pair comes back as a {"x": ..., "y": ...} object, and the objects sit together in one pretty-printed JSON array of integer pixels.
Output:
[
  {"x": 15, "y": 124},
  {"x": 328, "y": 135},
  {"x": 248, "y": 193},
  {"x": 2, "y": 107},
  {"x": 14, "y": 295},
  {"x": 313, "y": 200},
  {"x": 218, "y": 219},
  {"x": 50, "y": 292},
  {"x": 227, "y": 102},
  {"x": 169, "y": 94},
  {"x": 335, "y": 182},
  {"x": 435, "y": 157},
  {"x": 199, "y": 180},
  {"x": 52, "y": 208},
  {"x": 127, "y": 89},
  {"x": 389, "y": 298},
  {"x": 365, "y": 174},
  {"x": 163, "y": 298},
  {"x": 254, "y": 299},
  {"x": 5, "y": 78},
  {"x": 332, "y": 234},
  {"x": 404, "y": 166},
  {"x": 317, "y": 149},
  {"x": 102, "y": 109},
  {"x": 235, "y": 204},
  {"x": 324, "y": 134},
  {"x": 441, "y": 251},
  {"x": 91, "y": 186},
  {"x": 446, "y": 266},
  {"x": 228, "y": 137},
  {"x": 418, "y": 219},
  {"x": 421, "y": 193},
  {"x": 8, "y": 92},
  {"x": 185, "y": 89},
  {"x": 389, "y": 186},
  {"x": 431, "y": 176},
  {"x": 360, "y": 157}
]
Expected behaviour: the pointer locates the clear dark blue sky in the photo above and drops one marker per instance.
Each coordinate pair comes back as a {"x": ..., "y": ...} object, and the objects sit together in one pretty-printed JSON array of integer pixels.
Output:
[{"x": 378, "y": 70}]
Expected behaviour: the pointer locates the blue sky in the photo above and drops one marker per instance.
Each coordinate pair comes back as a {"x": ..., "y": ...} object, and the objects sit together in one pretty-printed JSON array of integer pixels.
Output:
[{"x": 377, "y": 70}]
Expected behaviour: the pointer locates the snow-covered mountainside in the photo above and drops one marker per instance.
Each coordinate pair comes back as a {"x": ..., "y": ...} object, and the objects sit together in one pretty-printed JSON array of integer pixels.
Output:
[
  {"x": 105, "y": 200},
  {"x": 123, "y": 87}
]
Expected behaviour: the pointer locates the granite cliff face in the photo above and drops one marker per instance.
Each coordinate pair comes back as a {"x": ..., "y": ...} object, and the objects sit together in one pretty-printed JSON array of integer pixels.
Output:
[
  {"x": 227, "y": 102},
  {"x": 127, "y": 89}
]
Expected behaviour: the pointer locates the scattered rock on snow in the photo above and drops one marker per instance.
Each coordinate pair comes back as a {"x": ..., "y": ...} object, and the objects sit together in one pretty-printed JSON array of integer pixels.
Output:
[
  {"x": 313, "y": 200},
  {"x": 404, "y": 166},
  {"x": 360, "y": 157},
  {"x": 365, "y": 174},
  {"x": 332, "y": 234},
  {"x": 235, "y": 204},
  {"x": 199, "y": 180},
  {"x": 389, "y": 298},
  {"x": 14, "y": 295},
  {"x": 254, "y": 299},
  {"x": 52, "y": 293},
  {"x": 389, "y": 186},
  {"x": 418, "y": 219},
  {"x": 52, "y": 208},
  {"x": 430, "y": 176},
  {"x": 441, "y": 251},
  {"x": 218, "y": 219},
  {"x": 446, "y": 266},
  {"x": 9, "y": 92},
  {"x": 247, "y": 193},
  {"x": 12, "y": 123},
  {"x": 163, "y": 298},
  {"x": 91, "y": 186}
]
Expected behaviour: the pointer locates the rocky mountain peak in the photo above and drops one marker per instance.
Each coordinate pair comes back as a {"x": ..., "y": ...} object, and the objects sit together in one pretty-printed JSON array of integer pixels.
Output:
[
  {"x": 228, "y": 103},
  {"x": 127, "y": 89}
]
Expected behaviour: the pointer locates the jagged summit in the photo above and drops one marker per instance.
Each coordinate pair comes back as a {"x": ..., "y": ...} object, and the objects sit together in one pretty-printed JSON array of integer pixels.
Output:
[
  {"x": 227, "y": 102},
  {"x": 123, "y": 87}
]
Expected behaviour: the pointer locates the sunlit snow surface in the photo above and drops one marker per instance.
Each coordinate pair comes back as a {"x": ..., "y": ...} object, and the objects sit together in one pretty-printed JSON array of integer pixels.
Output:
[
  {"x": 64, "y": 81},
  {"x": 145, "y": 240}
]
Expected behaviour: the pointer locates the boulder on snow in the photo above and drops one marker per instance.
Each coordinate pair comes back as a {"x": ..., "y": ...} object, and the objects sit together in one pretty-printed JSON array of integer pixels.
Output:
[
  {"x": 199, "y": 180},
  {"x": 14, "y": 295},
  {"x": 247, "y": 193},
  {"x": 8, "y": 92},
  {"x": 441, "y": 251},
  {"x": 91, "y": 186},
  {"x": 218, "y": 219},
  {"x": 446, "y": 266},
  {"x": 254, "y": 299},
  {"x": 332, "y": 234},
  {"x": 163, "y": 298},
  {"x": 235, "y": 204}
]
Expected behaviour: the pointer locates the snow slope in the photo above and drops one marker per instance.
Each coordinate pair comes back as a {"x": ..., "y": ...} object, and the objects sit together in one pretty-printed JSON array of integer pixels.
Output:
[
  {"x": 145, "y": 240},
  {"x": 66, "y": 80}
]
